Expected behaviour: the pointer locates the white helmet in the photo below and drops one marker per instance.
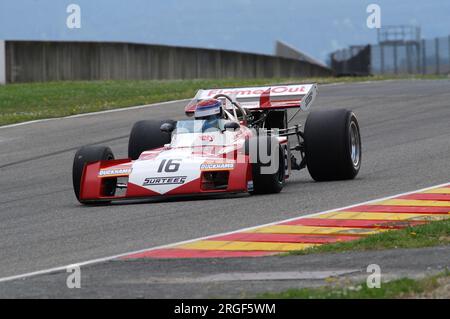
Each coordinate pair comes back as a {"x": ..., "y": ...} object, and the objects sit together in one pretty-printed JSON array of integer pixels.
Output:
[{"x": 209, "y": 108}]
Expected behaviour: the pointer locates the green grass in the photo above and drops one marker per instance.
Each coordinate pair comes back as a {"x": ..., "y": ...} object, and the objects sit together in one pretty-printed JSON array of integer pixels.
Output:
[
  {"x": 32, "y": 101},
  {"x": 431, "y": 234},
  {"x": 400, "y": 288}
]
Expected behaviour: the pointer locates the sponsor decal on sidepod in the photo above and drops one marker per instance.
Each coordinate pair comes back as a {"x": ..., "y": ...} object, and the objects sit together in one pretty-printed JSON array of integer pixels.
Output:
[
  {"x": 114, "y": 172},
  {"x": 216, "y": 166}
]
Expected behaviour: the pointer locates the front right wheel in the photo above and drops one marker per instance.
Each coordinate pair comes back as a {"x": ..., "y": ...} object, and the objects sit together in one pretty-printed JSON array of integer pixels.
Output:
[
  {"x": 86, "y": 155},
  {"x": 332, "y": 145}
]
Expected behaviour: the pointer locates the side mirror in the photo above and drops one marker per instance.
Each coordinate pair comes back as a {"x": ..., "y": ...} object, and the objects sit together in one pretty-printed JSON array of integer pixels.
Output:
[
  {"x": 233, "y": 126},
  {"x": 167, "y": 127}
]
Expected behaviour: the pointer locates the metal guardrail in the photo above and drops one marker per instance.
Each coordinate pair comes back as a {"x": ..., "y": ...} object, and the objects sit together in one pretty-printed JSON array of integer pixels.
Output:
[
  {"x": 354, "y": 61},
  {"x": 427, "y": 57}
]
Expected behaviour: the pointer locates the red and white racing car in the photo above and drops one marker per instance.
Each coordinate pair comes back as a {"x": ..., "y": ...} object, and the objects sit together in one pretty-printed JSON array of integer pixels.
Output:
[{"x": 237, "y": 140}]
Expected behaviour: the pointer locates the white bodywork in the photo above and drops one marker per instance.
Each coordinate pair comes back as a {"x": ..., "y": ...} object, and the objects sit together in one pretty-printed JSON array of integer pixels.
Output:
[{"x": 188, "y": 171}]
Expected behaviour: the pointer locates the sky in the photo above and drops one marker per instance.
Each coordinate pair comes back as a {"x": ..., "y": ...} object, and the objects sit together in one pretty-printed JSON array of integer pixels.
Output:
[{"x": 316, "y": 27}]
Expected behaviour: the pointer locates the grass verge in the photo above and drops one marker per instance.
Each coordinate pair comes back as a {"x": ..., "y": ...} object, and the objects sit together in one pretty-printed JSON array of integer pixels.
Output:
[
  {"x": 32, "y": 101},
  {"x": 400, "y": 288},
  {"x": 431, "y": 234}
]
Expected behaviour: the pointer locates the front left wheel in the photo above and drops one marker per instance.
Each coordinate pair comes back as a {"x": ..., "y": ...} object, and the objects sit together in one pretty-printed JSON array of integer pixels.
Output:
[
  {"x": 332, "y": 145},
  {"x": 146, "y": 135}
]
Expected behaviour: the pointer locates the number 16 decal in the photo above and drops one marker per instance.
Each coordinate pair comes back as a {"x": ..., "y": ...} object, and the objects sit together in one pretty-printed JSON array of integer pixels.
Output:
[{"x": 169, "y": 166}]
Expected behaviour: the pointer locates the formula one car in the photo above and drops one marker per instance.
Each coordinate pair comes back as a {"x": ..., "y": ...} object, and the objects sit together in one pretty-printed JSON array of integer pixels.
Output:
[{"x": 234, "y": 140}]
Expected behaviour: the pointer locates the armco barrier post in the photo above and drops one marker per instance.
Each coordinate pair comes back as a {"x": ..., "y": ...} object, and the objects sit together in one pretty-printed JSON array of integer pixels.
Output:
[
  {"x": 395, "y": 59},
  {"x": 424, "y": 57},
  {"x": 448, "y": 61},
  {"x": 2, "y": 62},
  {"x": 436, "y": 48}
]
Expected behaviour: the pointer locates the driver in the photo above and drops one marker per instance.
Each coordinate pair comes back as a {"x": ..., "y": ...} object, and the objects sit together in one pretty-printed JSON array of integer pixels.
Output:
[{"x": 211, "y": 112}]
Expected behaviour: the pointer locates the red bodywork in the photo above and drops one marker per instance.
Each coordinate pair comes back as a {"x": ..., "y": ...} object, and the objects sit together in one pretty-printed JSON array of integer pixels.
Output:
[
  {"x": 185, "y": 170},
  {"x": 134, "y": 174}
]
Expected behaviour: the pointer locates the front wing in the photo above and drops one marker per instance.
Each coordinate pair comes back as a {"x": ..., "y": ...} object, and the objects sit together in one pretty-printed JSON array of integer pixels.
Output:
[{"x": 140, "y": 179}]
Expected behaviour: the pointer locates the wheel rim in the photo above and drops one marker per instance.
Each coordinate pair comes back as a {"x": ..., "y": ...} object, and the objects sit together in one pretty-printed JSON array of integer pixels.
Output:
[{"x": 355, "y": 144}]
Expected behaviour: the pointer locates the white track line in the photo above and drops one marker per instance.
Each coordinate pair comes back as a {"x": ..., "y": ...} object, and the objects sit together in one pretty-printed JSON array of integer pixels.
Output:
[
  {"x": 104, "y": 259},
  {"x": 94, "y": 113}
]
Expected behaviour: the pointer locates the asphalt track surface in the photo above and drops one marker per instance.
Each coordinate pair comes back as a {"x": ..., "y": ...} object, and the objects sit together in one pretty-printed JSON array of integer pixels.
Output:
[
  {"x": 230, "y": 277},
  {"x": 405, "y": 128}
]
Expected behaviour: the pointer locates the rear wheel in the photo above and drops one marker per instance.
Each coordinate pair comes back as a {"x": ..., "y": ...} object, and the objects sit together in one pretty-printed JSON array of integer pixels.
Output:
[
  {"x": 332, "y": 145},
  {"x": 266, "y": 179},
  {"x": 90, "y": 154},
  {"x": 146, "y": 135}
]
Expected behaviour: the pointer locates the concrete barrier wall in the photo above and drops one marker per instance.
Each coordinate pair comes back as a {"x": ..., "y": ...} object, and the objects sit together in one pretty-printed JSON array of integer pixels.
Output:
[
  {"x": 2, "y": 63},
  {"x": 30, "y": 61}
]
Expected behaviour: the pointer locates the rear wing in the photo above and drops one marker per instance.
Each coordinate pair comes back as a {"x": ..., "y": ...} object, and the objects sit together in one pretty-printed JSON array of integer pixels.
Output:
[{"x": 263, "y": 98}]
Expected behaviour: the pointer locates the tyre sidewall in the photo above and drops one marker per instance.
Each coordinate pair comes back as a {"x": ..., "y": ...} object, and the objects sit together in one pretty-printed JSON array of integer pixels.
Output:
[
  {"x": 267, "y": 183},
  {"x": 86, "y": 155},
  {"x": 328, "y": 146},
  {"x": 146, "y": 135}
]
